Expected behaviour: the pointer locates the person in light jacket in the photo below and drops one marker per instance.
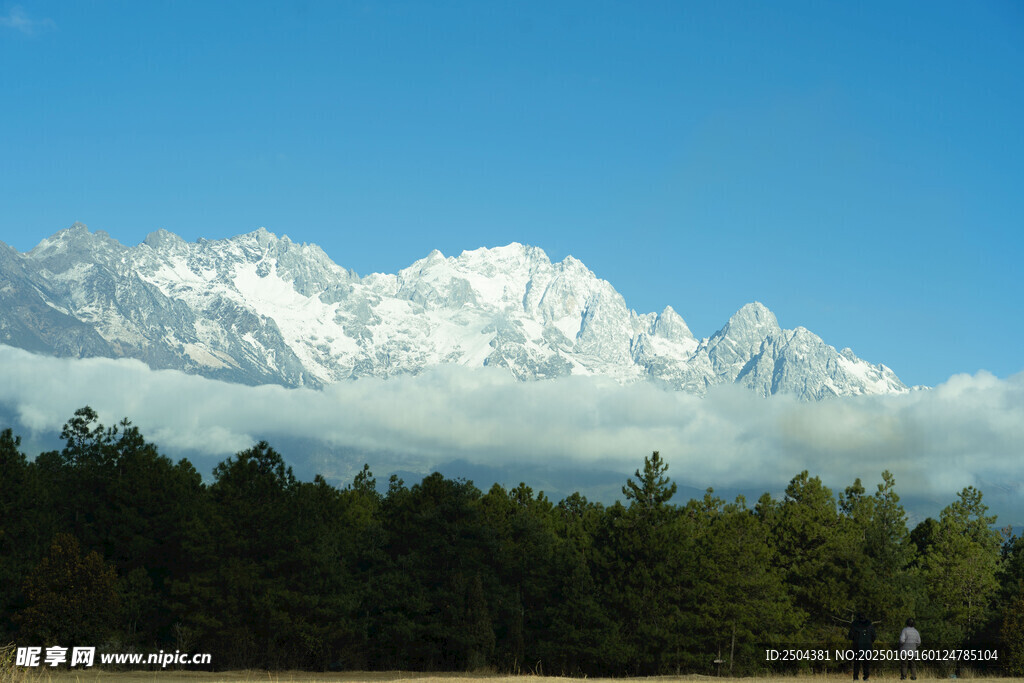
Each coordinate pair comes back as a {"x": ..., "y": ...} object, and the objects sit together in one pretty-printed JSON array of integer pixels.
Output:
[{"x": 910, "y": 640}]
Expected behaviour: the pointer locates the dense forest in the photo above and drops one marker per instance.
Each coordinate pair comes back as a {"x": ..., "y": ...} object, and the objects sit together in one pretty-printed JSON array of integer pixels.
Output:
[{"x": 109, "y": 543}]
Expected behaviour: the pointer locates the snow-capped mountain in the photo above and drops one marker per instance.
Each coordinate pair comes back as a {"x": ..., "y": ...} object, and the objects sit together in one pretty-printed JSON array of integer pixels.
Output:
[{"x": 260, "y": 309}]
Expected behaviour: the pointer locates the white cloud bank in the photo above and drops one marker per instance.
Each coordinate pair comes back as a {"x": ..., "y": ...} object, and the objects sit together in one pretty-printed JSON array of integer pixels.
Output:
[{"x": 967, "y": 431}]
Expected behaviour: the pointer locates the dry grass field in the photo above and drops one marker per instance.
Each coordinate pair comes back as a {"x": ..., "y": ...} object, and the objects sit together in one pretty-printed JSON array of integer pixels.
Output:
[
  {"x": 96, "y": 675},
  {"x": 13, "y": 674}
]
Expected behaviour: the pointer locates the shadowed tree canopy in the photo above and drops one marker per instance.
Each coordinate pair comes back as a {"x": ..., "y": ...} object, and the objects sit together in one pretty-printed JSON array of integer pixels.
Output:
[
  {"x": 107, "y": 541},
  {"x": 71, "y": 598}
]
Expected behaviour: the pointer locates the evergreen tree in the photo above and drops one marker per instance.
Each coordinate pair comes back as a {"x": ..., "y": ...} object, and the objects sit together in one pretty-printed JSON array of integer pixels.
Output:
[
  {"x": 436, "y": 543},
  {"x": 646, "y": 550},
  {"x": 116, "y": 494},
  {"x": 480, "y": 632},
  {"x": 652, "y": 489},
  {"x": 1011, "y": 568},
  {"x": 960, "y": 570},
  {"x": 884, "y": 581},
  {"x": 1012, "y": 637},
  {"x": 580, "y": 633},
  {"x": 70, "y": 599},
  {"x": 743, "y": 602},
  {"x": 522, "y": 526},
  {"x": 21, "y": 527},
  {"x": 361, "y": 546},
  {"x": 327, "y": 596},
  {"x": 815, "y": 549},
  {"x": 239, "y": 597},
  {"x": 923, "y": 536}
]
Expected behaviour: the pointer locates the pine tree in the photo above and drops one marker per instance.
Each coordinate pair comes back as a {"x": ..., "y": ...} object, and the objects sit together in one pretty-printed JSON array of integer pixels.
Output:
[
  {"x": 70, "y": 599},
  {"x": 652, "y": 488},
  {"x": 960, "y": 570},
  {"x": 742, "y": 601},
  {"x": 21, "y": 526},
  {"x": 480, "y": 632},
  {"x": 814, "y": 549},
  {"x": 883, "y": 579},
  {"x": 646, "y": 551},
  {"x": 239, "y": 595},
  {"x": 1012, "y": 637}
]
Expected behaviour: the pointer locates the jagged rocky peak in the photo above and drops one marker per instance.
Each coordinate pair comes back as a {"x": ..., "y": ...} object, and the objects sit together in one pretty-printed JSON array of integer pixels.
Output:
[
  {"x": 732, "y": 347},
  {"x": 253, "y": 246},
  {"x": 512, "y": 276},
  {"x": 76, "y": 229},
  {"x": 513, "y": 253},
  {"x": 161, "y": 239},
  {"x": 671, "y": 325},
  {"x": 513, "y": 263},
  {"x": 60, "y": 240},
  {"x": 75, "y": 249},
  {"x": 261, "y": 236},
  {"x": 256, "y": 308},
  {"x": 752, "y": 318},
  {"x": 79, "y": 232}
]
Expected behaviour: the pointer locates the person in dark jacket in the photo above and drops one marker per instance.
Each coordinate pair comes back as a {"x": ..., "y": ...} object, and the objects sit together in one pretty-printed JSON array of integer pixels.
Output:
[{"x": 862, "y": 635}]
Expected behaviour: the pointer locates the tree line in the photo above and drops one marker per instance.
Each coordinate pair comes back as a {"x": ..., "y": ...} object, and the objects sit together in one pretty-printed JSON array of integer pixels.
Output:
[{"x": 109, "y": 543}]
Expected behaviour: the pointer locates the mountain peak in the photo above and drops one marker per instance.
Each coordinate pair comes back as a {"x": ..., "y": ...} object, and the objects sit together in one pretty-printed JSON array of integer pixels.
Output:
[
  {"x": 75, "y": 231},
  {"x": 571, "y": 261},
  {"x": 752, "y": 317},
  {"x": 262, "y": 233},
  {"x": 160, "y": 238},
  {"x": 260, "y": 236},
  {"x": 510, "y": 251},
  {"x": 671, "y": 324},
  {"x": 74, "y": 237}
]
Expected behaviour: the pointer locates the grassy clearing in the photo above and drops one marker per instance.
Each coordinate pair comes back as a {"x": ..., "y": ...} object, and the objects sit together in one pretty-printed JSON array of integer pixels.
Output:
[
  {"x": 13, "y": 674},
  {"x": 16, "y": 675}
]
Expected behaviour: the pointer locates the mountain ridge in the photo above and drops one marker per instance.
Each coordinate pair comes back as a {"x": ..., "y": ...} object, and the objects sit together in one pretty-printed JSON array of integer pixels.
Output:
[{"x": 256, "y": 308}]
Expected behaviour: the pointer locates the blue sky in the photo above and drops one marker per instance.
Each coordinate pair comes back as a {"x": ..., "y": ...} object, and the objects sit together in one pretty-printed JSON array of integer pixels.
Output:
[{"x": 857, "y": 167}]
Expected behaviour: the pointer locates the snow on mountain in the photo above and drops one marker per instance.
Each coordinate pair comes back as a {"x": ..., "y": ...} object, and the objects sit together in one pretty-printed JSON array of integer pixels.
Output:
[{"x": 256, "y": 308}]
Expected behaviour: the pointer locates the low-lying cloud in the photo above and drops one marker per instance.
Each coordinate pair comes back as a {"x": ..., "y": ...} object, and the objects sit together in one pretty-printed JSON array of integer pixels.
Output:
[{"x": 967, "y": 431}]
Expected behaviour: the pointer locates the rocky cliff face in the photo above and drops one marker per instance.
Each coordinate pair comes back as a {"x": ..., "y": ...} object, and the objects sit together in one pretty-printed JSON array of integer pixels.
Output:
[{"x": 260, "y": 309}]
